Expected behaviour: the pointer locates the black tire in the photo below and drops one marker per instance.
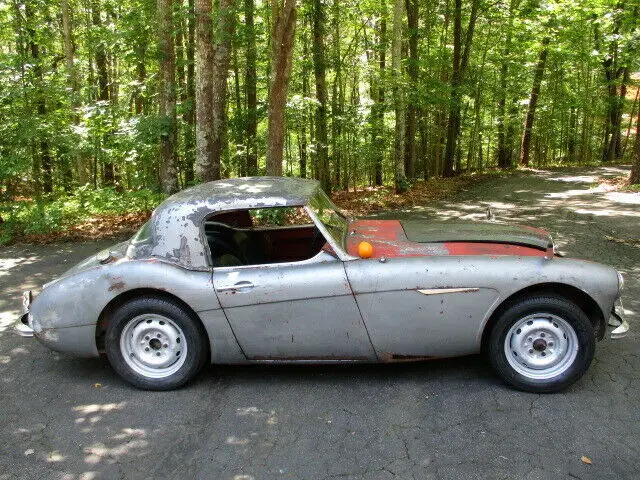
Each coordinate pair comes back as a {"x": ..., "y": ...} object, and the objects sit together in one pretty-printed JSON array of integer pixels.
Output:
[
  {"x": 524, "y": 371},
  {"x": 179, "y": 332}
]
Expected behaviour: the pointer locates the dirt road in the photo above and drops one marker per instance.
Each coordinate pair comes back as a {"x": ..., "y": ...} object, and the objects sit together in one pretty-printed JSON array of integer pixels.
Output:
[{"x": 64, "y": 418}]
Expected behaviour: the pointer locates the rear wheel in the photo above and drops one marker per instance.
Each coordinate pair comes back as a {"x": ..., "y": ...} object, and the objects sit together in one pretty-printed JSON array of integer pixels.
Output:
[
  {"x": 154, "y": 344},
  {"x": 542, "y": 344}
]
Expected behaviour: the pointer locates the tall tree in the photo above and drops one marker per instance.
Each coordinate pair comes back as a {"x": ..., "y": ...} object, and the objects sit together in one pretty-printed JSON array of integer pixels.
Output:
[
  {"x": 204, "y": 87},
  {"x": 108, "y": 168},
  {"x": 461, "y": 54},
  {"x": 398, "y": 96},
  {"x": 634, "y": 177},
  {"x": 525, "y": 146},
  {"x": 319, "y": 70},
  {"x": 410, "y": 150},
  {"x": 250, "y": 82},
  {"x": 283, "y": 24},
  {"x": 167, "y": 100},
  {"x": 504, "y": 151},
  {"x": 225, "y": 27}
]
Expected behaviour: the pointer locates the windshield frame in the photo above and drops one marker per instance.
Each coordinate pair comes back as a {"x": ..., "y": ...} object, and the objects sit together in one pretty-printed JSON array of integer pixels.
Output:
[{"x": 335, "y": 234}]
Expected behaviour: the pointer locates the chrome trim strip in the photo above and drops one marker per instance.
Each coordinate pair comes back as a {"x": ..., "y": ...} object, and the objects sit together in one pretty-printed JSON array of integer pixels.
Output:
[{"x": 438, "y": 291}]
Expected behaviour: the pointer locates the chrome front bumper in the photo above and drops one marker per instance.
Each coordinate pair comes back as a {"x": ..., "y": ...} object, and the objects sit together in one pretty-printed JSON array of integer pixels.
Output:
[
  {"x": 618, "y": 321},
  {"x": 22, "y": 326}
]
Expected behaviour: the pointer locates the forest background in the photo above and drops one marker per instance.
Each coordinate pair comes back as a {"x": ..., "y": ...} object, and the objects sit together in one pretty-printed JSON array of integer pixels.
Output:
[{"x": 108, "y": 106}]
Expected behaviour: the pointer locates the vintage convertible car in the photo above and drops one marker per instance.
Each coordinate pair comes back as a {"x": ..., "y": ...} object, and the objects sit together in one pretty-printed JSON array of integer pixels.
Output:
[{"x": 267, "y": 269}]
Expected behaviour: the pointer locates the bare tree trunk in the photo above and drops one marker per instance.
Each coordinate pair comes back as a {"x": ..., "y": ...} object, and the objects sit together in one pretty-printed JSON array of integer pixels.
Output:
[
  {"x": 634, "y": 178},
  {"x": 73, "y": 81},
  {"x": 283, "y": 20},
  {"x": 504, "y": 152},
  {"x": 108, "y": 172},
  {"x": 319, "y": 69},
  {"x": 204, "y": 86},
  {"x": 188, "y": 115},
  {"x": 461, "y": 55},
  {"x": 221, "y": 59},
  {"x": 533, "y": 102},
  {"x": 412, "y": 107},
  {"x": 398, "y": 95},
  {"x": 379, "y": 140},
  {"x": 167, "y": 97},
  {"x": 250, "y": 83}
]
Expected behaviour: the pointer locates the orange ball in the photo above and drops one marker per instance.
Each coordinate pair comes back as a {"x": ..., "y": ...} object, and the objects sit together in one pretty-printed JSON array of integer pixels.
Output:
[{"x": 365, "y": 249}]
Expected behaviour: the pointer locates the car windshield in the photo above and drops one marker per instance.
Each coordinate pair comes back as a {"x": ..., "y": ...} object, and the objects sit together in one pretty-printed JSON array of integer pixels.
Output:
[{"x": 331, "y": 217}]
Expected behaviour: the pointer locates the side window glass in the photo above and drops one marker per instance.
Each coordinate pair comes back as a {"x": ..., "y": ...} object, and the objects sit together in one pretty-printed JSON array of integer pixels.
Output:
[{"x": 262, "y": 236}]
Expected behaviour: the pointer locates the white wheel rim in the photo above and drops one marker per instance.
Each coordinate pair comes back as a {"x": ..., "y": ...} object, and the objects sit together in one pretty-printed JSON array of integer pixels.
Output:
[
  {"x": 153, "y": 346},
  {"x": 541, "y": 346}
]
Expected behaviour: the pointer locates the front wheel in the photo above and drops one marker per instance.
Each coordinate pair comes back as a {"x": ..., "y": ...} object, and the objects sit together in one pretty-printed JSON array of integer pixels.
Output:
[
  {"x": 154, "y": 344},
  {"x": 542, "y": 344}
]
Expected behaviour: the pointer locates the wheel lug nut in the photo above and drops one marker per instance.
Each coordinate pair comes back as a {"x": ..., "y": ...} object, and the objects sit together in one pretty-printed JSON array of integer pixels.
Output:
[
  {"x": 158, "y": 354},
  {"x": 158, "y": 335},
  {"x": 146, "y": 349},
  {"x": 531, "y": 350},
  {"x": 165, "y": 345},
  {"x": 542, "y": 335},
  {"x": 146, "y": 337}
]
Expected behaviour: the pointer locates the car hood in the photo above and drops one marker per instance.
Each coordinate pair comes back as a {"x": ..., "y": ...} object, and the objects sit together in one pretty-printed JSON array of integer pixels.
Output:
[{"x": 419, "y": 237}]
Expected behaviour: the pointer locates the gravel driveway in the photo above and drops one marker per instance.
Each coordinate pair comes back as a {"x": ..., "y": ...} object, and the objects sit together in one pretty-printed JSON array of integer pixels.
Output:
[{"x": 64, "y": 418}]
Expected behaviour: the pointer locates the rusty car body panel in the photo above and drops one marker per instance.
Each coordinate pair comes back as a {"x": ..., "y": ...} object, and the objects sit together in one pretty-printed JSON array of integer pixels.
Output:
[{"x": 430, "y": 297}]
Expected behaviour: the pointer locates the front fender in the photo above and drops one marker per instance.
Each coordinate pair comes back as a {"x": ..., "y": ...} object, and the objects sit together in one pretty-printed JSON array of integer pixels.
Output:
[{"x": 77, "y": 300}]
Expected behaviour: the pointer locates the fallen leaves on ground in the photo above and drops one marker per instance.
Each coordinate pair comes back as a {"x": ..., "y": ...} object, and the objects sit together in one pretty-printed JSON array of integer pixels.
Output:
[
  {"x": 586, "y": 460},
  {"x": 369, "y": 200},
  {"x": 94, "y": 228}
]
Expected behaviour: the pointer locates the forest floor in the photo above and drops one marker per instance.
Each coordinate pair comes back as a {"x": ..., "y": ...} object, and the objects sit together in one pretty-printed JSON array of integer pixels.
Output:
[{"x": 65, "y": 418}]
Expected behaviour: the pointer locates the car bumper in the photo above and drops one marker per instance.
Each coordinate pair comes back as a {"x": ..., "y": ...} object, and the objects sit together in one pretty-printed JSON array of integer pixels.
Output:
[{"x": 617, "y": 320}]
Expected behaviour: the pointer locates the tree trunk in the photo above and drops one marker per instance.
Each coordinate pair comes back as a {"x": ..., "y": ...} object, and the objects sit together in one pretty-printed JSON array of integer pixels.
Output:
[
  {"x": 188, "y": 115},
  {"x": 204, "y": 86},
  {"x": 504, "y": 152},
  {"x": 283, "y": 24},
  {"x": 461, "y": 55},
  {"x": 250, "y": 83},
  {"x": 73, "y": 82},
  {"x": 412, "y": 108},
  {"x": 221, "y": 58},
  {"x": 319, "y": 70},
  {"x": 379, "y": 107},
  {"x": 533, "y": 102},
  {"x": 398, "y": 96},
  {"x": 634, "y": 178},
  {"x": 108, "y": 172},
  {"x": 167, "y": 97}
]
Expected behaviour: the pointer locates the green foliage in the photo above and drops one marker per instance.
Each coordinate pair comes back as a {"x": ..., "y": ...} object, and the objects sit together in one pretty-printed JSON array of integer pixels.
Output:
[{"x": 26, "y": 217}]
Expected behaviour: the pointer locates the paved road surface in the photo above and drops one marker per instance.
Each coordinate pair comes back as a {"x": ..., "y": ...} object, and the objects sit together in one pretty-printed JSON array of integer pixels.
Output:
[{"x": 449, "y": 419}]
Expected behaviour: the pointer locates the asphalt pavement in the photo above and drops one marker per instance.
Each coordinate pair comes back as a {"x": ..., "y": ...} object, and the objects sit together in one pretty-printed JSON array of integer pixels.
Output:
[{"x": 66, "y": 418}]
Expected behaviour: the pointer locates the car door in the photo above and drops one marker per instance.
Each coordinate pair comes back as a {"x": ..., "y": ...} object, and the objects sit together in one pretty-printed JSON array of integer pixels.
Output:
[
  {"x": 421, "y": 306},
  {"x": 293, "y": 311}
]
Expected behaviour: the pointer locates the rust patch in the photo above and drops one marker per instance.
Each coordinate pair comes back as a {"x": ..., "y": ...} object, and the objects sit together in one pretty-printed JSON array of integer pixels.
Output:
[
  {"x": 119, "y": 285},
  {"x": 390, "y": 357}
]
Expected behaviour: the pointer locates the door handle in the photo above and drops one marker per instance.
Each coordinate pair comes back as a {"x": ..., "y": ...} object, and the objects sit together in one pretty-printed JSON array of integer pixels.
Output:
[{"x": 244, "y": 285}]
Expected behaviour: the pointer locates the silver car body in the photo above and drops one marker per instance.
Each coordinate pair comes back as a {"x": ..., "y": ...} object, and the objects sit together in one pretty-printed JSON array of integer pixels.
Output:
[{"x": 332, "y": 307}]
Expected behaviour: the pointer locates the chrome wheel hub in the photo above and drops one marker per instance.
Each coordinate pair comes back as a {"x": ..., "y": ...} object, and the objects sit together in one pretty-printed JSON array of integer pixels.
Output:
[
  {"x": 153, "y": 346},
  {"x": 541, "y": 346}
]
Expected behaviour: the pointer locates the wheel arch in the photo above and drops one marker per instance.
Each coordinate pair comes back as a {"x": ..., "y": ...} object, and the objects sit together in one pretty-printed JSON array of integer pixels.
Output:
[
  {"x": 122, "y": 298},
  {"x": 582, "y": 299}
]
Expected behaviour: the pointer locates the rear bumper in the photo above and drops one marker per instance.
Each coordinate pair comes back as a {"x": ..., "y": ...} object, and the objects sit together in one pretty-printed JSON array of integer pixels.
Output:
[{"x": 617, "y": 320}]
